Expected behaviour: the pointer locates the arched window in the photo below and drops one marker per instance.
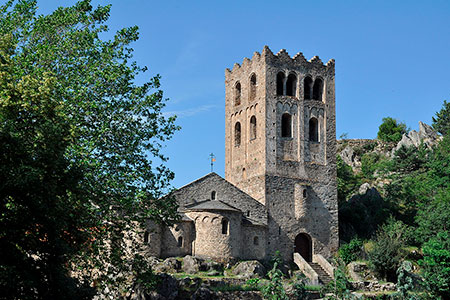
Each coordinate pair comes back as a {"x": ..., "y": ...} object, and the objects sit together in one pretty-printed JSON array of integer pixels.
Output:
[
  {"x": 237, "y": 134},
  {"x": 146, "y": 236},
  {"x": 256, "y": 241},
  {"x": 237, "y": 94},
  {"x": 252, "y": 128},
  {"x": 253, "y": 87},
  {"x": 286, "y": 125},
  {"x": 313, "y": 130},
  {"x": 213, "y": 195},
  {"x": 291, "y": 85},
  {"x": 280, "y": 83},
  {"x": 317, "y": 90},
  {"x": 307, "y": 88},
  {"x": 180, "y": 242},
  {"x": 224, "y": 226}
]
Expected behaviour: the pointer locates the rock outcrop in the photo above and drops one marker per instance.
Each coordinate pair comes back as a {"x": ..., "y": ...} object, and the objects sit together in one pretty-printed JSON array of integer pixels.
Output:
[
  {"x": 426, "y": 135},
  {"x": 249, "y": 269}
]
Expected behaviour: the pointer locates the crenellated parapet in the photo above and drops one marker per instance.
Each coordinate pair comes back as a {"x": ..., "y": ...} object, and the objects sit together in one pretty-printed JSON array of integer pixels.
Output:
[{"x": 283, "y": 58}]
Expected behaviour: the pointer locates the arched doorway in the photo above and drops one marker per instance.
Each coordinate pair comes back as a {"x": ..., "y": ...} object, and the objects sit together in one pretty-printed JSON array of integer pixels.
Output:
[{"x": 303, "y": 246}]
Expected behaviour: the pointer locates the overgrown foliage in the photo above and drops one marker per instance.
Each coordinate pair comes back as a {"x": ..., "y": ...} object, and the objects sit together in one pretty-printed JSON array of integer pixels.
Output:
[
  {"x": 80, "y": 143},
  {"x": 351, "y": 251}
]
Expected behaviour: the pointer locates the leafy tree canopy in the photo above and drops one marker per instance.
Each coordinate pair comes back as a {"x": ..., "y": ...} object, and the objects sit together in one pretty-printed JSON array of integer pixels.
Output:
[
  {"x": 391, "y": 130},
  {"x": 80, "y": 147}
]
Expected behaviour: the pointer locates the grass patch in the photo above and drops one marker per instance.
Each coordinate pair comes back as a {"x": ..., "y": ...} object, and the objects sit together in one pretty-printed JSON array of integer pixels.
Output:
[
  {"x": 232, "y": 288},
  {"x": 198, "y": 275},
  {"x": 313, "y": 288}
]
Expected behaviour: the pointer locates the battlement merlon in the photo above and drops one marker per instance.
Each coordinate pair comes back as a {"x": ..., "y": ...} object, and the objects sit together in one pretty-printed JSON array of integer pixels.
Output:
[{"x": 283, "y": 56}]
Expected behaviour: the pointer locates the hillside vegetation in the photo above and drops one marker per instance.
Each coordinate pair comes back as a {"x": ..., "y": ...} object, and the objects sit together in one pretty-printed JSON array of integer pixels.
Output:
[{"x": 394, "y": 202}]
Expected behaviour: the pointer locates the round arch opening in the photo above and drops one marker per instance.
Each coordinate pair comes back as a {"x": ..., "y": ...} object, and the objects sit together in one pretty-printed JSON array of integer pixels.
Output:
[{"x": 303, "y": 246}]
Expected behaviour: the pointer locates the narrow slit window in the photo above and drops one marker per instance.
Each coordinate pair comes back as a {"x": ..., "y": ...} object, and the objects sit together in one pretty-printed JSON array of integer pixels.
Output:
[
  {"x": 252, "y": 128},
  {"x": 237, "y": 96},
  {"x": 280, "y": 83},
  {"x": 291, "y": 85},
  {"x": 180, "y": 242},
  {"x": 307, "y": 88},
  {"x": 317, "y": 89},
  {"x": 253, "y": 87},
  {"x": 237, "y": 134},
  {"x": 256, "y": 241},
  {"x": 213, "y": 195},
  {"x": 146, "y": 237},
  {"x": 313, "y": 130},
  {"x": 224, "y": 226},
  {"x": 286, "y": 125}
]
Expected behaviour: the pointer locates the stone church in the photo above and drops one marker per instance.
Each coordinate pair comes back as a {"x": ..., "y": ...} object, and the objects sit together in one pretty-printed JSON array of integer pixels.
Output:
[{"x": 279, "y": 191}]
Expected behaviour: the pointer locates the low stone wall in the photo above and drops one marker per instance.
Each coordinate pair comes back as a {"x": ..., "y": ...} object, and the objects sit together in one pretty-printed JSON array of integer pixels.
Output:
[
  {"x": 306, "y": 269},
  {"x": 317, "y": 258}
]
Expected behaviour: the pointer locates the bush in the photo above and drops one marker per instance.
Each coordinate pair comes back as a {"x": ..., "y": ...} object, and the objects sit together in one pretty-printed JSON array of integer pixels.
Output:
[
  {"x": 386, "y": 254},
  {"x": 274, "y": 289},
  {"x": 391, "y": 130},
  {"x": 436, "y": 265},
  {"x": 351, "y": 251}
]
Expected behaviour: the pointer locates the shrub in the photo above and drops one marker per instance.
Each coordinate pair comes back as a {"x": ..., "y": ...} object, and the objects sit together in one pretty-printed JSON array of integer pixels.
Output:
[
  {"x": 351, "y": 251},
  {"x": 274, "y": 289},
  {"x": 391, "y": 130},
  {"x": 436, "y": 265},
  {"x": 385, "y": 256}
]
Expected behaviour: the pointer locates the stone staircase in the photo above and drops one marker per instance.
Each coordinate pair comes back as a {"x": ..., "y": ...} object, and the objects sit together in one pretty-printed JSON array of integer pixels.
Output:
[{"x": 324, "y": 278}]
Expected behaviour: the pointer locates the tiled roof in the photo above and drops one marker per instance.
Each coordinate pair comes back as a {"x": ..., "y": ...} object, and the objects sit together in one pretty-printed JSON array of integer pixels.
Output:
[{"x": 212, "y": 205}]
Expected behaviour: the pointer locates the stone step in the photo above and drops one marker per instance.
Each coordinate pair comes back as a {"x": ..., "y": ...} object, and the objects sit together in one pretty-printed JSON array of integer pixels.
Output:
[{"x": 323, "y": 275}]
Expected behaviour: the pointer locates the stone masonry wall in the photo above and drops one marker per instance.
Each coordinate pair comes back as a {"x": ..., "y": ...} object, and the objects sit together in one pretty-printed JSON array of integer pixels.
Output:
[
  {"x": 292, "y": 164},
  {"x": 202, "y": 188},
  {"x": 210, "y": 241}
]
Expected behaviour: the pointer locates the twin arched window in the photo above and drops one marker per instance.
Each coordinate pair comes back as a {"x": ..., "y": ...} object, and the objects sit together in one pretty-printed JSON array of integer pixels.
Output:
[
  {"x": 291, "y": 84},
  {"x": 313, "y": 91},
  {"x": 238, "y": 131},
  {"x": 238, "y": 90}
]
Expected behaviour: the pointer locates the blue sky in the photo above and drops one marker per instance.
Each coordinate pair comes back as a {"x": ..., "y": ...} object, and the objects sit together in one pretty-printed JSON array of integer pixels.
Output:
[{"x": 392, "y": 59}]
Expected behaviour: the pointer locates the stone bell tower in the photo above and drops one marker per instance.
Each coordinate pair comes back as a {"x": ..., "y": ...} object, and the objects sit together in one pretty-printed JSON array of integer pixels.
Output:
[{"x": 280, "y": 147}]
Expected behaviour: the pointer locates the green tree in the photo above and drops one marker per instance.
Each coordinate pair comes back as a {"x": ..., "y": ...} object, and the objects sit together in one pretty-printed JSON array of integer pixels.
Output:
[
  {"x": 386, "y": 255},
  {"x": 80, "y": 143},
  {"x": 391, "y": 130},
  {"x": 436, "y": 265},
  {"x": 441, "y": 123}
]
